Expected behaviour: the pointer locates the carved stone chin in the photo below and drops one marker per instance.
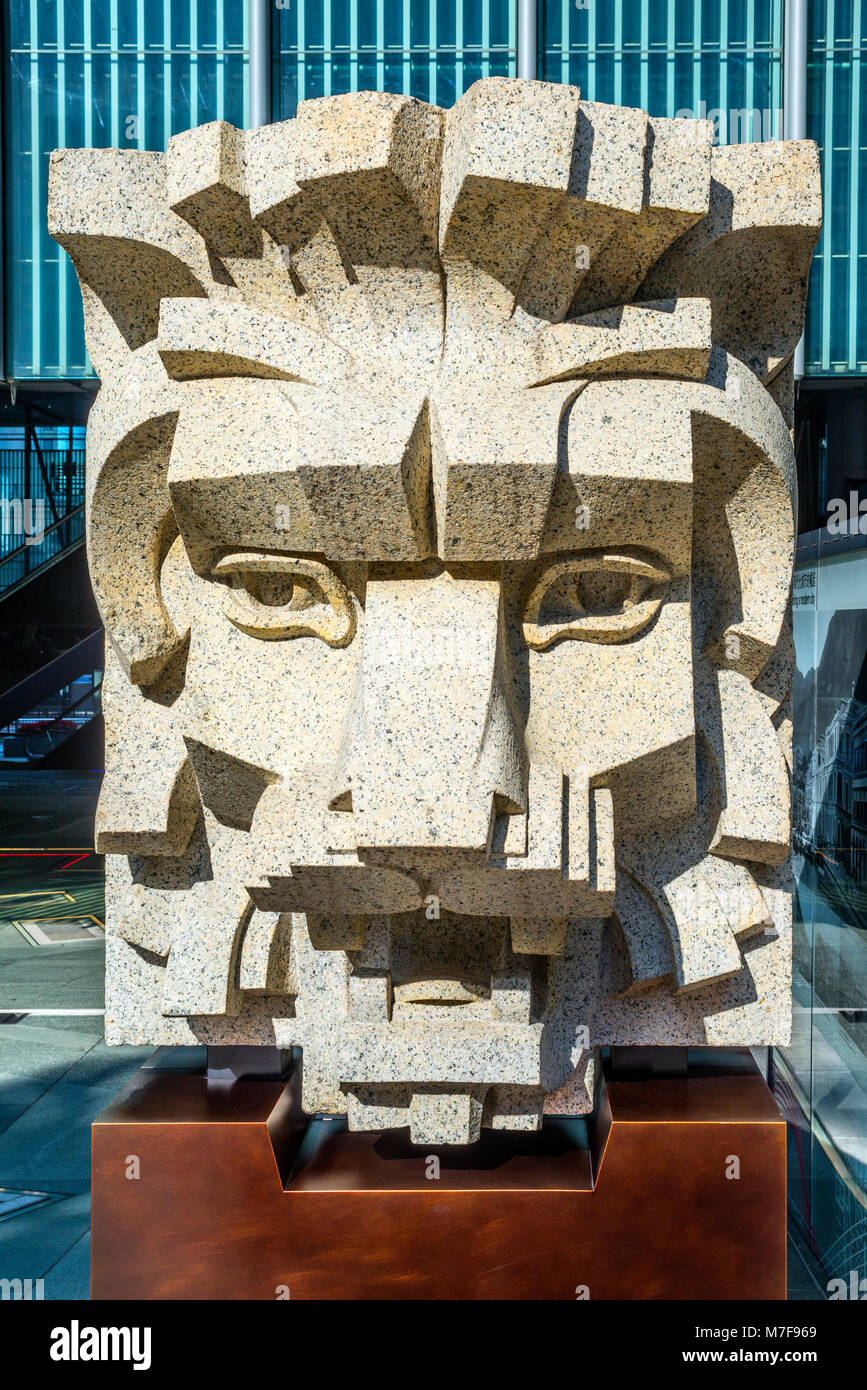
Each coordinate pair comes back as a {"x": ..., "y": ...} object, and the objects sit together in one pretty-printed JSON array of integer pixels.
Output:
[{"x": 440, "y": 492}]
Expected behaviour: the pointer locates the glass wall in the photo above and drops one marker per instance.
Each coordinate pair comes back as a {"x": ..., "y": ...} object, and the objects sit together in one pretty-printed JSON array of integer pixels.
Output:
[
  {"x": 696, "y": 57},
  {"x": 836, "y": 341},
  {"x": 101, "y": 72},
  {"x": 98, "y": 73},
  {"x": 433, "y": 49},
  {"x": 821, "y": 1079}
]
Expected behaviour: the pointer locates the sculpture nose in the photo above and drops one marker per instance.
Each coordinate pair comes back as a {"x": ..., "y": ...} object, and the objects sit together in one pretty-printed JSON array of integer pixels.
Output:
[{"x": 431, "y": 744}]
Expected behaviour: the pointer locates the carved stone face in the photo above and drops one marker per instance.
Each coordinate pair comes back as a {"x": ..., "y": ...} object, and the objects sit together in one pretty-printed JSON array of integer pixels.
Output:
[{"x": 446, "y": 569}]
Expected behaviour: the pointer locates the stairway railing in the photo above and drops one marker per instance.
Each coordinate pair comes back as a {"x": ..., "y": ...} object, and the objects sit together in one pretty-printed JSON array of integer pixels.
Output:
[
  {"x": 41, "y": 508},
  {"x": 52, "y": 703}
]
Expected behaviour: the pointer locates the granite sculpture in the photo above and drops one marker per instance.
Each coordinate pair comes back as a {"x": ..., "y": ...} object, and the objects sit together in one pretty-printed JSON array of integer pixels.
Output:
[{"x": 440, "y": 515}]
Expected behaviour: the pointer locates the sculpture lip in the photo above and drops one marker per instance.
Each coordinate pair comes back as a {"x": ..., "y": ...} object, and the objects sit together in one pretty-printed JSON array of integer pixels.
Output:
[{"x": 448, "y": 990}]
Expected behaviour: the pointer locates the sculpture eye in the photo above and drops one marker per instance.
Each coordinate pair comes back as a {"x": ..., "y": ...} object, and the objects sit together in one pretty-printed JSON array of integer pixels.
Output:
[
  {"x": 281, "y": 596},
  {"x": 593, "y": 598}
]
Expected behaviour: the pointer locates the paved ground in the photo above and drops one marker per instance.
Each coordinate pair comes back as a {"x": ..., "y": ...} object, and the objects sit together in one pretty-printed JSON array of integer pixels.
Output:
[
  {"x": 56, "y": 1074},
  {"x": 51, "y": 888},
  {"x": 47, "y": 809}
]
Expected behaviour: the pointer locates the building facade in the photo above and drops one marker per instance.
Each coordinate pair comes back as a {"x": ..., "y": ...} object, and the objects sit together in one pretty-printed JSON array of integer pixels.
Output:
[{"x": 102, "y": 73}]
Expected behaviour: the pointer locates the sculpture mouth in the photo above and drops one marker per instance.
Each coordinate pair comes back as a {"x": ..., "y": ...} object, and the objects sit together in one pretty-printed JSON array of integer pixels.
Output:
[
  {"x": 454, "y": 969},
  {"x": 441, "y": 1014},
  {"x": 445, "y": 991}
]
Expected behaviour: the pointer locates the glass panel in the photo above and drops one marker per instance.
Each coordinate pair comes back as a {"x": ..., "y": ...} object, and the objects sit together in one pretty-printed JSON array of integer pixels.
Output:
[
  {"x": 691, "y": 56},
  {"x": 430, "y": 49},
  {"x": 97, "y": 73},
  {"x": 837, "y": 121},
  {"x": 826, "y": 1065}
]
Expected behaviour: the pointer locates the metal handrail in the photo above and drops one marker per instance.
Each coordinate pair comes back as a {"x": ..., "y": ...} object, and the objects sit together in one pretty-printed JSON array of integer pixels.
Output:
[
  {"x": 94, "y": 690},
  {"x": 25, "y": 548},
  {"x": 86, "y": 655}
]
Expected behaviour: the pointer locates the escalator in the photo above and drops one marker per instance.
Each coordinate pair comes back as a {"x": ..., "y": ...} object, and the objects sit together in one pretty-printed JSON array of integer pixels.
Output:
[
  {"x": 53, "y": 714},
  {"x": 51, "y": 644},
  {"x": 41, "y": 508}
]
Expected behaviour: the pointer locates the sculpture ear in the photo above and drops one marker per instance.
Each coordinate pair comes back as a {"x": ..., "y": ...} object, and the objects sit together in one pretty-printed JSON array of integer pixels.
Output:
[
  {"x": 108, "y": 210},
  {"x": 751, "y": 254}
]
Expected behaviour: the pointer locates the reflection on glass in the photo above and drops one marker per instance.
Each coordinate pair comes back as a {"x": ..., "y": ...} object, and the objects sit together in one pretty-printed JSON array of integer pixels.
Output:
[{"x": 822, "y": 1077}]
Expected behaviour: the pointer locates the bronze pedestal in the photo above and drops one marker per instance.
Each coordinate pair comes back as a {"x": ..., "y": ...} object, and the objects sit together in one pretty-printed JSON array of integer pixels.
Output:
[{"x": 679, "y": 1194}]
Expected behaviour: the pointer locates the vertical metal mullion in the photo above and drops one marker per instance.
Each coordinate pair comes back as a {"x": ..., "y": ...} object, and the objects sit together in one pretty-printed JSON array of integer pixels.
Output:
[
  {"x": 327, "y": 49},
  {"x": 141, "y": 87},
  {"x": 750, "y": 66},
  {"x": 724, "y": 65},
  {"x": 406, "y": 32},
  {"x": 618, "y": 54},
  {"x": 486, "y": 38},
  {"x": 353, "y": 47},
  {"x": 194, "y": 63},
  {"x": 380, "y": 45},
  {"x": 459, "y": 46},
  {"x": 62, "y": 305},
  {"x": 791, "y": 91},
  {"x": 777, "y": 46},
  {"x": 828, "y": 143},
  {"x": 854, "y": 186},
  {"x": 221, "y": 57},
  {"x": 167, "y": 70},
  {"x": 87, "y": 36},
  {"x": 247, "y": 112},
  {"x": 669, "y": 45},
  {"x": 114, "y": 82},
  {"x": 301, "y": 40},
  {"x": 696, "y": 55},
  {"x": 565, "y": 20},
  {"x": 528, "y": 39},
  {"x": 35, "y": 181},
  {"x": 645, "y": 53},
  {"x": 433, "y": 39},
  {"x": 257, "y": 43},
  {"x": 591, "y": 53}
]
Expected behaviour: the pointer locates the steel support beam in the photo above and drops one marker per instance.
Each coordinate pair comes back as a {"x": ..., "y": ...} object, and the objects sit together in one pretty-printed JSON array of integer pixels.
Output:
[
  {"x": 527, "y": 39},
  {"x": 795, "y": 97},
  {"x": 260, "y": 62}
]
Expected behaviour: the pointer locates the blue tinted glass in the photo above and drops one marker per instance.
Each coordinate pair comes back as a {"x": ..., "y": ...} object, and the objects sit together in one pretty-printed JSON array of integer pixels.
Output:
[{"x": 120, "y": 92}]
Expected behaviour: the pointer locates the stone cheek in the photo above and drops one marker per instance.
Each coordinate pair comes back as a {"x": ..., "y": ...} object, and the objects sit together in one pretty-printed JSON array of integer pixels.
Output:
[{"x": 441, "y": 520}]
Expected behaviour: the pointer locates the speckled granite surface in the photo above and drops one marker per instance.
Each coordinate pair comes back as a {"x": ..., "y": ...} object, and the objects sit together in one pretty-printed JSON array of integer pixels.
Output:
[{"x": 440, "y": 494}]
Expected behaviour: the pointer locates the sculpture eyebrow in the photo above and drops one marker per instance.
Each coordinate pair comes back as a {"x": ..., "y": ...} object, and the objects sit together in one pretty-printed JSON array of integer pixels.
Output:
[
  {"x": 666, "y": 338},
  {"x": 202, "y": 338}
]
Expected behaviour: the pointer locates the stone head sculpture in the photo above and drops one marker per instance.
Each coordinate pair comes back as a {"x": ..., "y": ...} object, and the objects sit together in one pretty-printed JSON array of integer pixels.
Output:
[{"x": 440, "y": 496}]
